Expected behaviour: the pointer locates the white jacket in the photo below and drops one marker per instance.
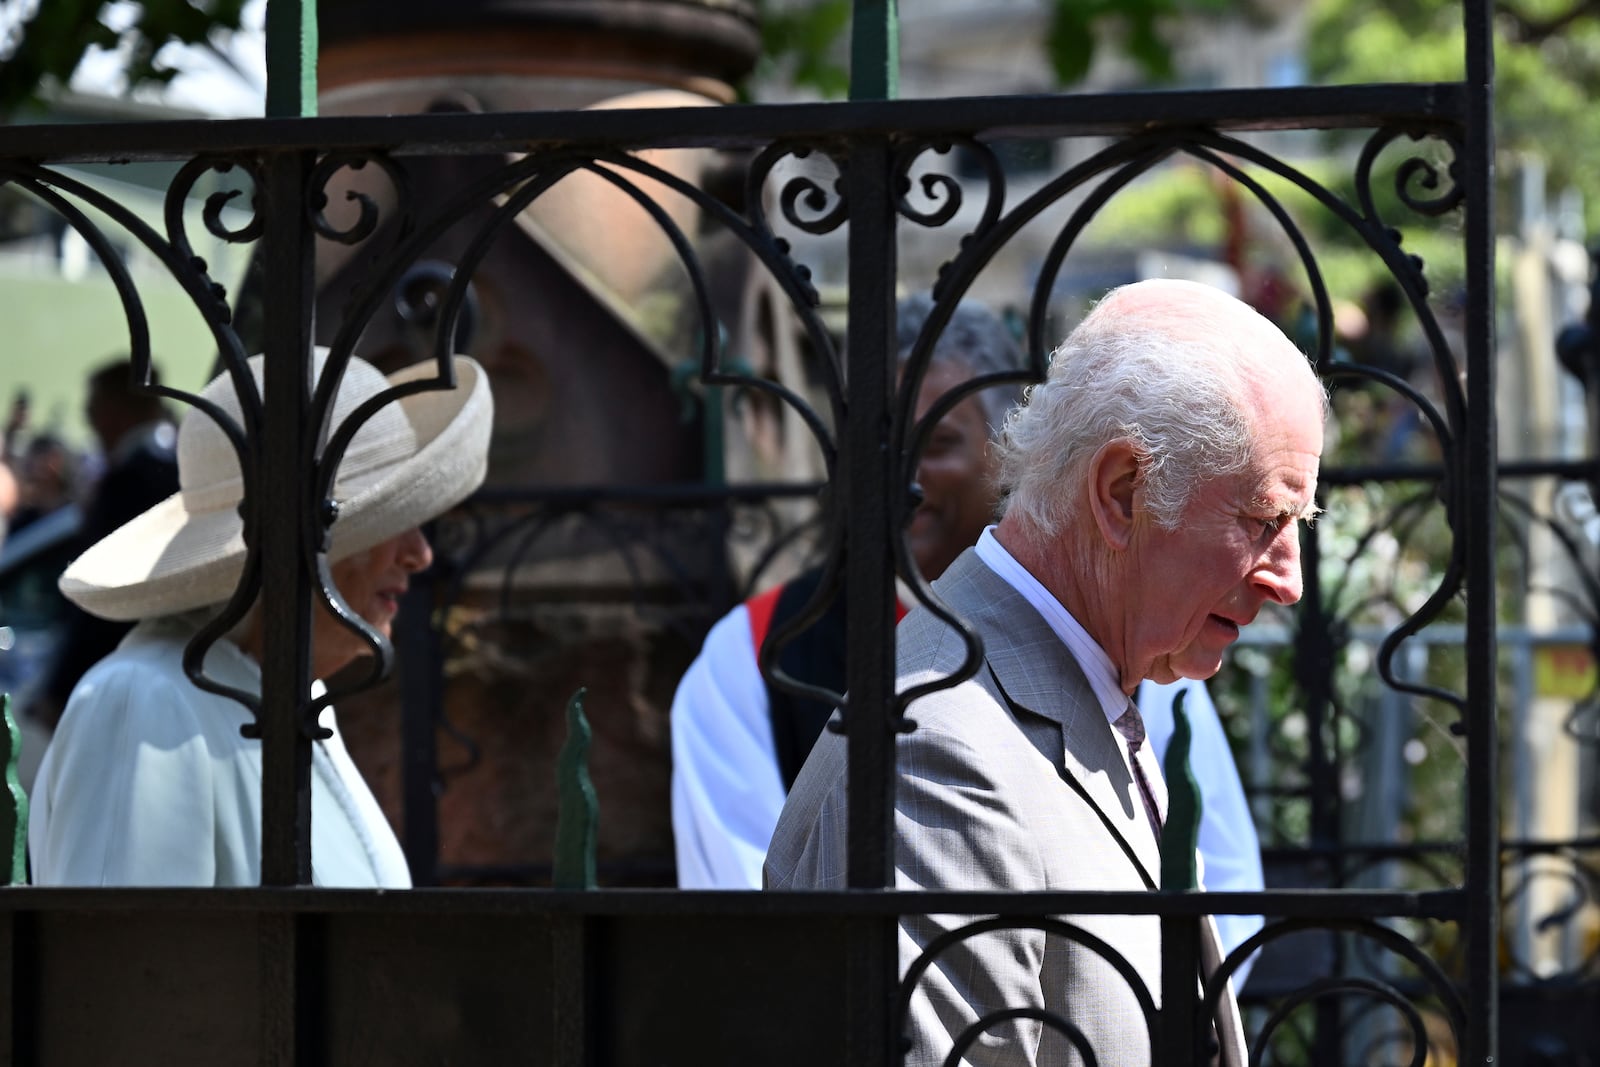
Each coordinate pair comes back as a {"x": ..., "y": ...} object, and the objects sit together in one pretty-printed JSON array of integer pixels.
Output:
[{"x": 147, "y": 781}]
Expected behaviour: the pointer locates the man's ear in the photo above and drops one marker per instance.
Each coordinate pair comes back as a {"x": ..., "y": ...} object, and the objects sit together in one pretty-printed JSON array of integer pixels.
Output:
[{"x": 1113, "y": 479}]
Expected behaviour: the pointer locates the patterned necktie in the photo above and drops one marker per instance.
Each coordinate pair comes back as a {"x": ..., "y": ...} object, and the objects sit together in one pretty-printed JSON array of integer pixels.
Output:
[{"x": 1130, "y": 724}]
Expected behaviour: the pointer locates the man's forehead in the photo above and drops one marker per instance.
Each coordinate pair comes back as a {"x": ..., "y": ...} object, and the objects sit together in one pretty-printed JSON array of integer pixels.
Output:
[{"x": 1286, "y": 491}]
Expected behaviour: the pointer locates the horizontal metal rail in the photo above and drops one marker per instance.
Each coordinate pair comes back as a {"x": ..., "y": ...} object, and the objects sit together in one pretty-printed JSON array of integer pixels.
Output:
[
  {"x": 1427, "y": 104},
  {"x": 1303, "y": 903}
]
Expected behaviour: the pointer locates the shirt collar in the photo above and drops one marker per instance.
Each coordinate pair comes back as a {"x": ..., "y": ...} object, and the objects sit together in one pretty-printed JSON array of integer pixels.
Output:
[{"x": 1096, "y": 665}]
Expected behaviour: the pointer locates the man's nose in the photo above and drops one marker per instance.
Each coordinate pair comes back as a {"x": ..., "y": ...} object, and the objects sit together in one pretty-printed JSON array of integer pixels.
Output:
[{"x": 1278, "y": 575}]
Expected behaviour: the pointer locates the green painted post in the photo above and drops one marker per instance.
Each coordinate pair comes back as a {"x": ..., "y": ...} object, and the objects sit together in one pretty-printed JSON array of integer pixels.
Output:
[
  {"x": 874, "y": 50},
  {"x": 577, "y": 819},
  {"x": 14, "y": 802},
  {"x": 1180, "y": 834},
  {"x": 291, "y": 27}
]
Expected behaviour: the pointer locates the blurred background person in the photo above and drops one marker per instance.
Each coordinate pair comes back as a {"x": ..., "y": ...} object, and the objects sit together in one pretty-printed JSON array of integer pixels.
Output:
[
  {"x": 8, "y": 498},
  {"x": 47, "y": 480},
  {"x": 137, "y": 440},
  {"x": 10, "y": 484}
]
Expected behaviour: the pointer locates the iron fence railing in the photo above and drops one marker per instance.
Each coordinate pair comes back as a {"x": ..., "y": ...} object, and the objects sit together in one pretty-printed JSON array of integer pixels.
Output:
[{"x": 288, "y": 974}]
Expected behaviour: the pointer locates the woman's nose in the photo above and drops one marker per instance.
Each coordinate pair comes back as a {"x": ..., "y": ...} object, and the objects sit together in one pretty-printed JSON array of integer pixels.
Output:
[{"x": 415, "y": 552}]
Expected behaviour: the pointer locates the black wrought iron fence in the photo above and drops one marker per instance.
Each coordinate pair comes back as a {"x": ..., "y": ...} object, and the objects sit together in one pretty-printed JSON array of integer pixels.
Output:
[{"x": 1394, "y": 967}]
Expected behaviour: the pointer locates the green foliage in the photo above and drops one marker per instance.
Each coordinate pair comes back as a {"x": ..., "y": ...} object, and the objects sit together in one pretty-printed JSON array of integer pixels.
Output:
[
  {"x": 802, "y": 38},
  {"x": 47, "y": 47},
  {"x": 1142, "y": 28},
  {"x": 1181, "y": 205},
  {"x": 1547, "y": 70}
]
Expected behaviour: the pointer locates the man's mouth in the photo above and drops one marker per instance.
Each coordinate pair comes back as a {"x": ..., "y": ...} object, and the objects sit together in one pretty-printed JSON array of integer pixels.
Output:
[{"x": 1227, "y": 625}]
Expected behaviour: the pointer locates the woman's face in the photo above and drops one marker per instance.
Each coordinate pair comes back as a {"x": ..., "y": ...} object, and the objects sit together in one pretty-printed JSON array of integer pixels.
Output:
[
  {"x": 372, "y": 583},
  {"x": 956, "y": 471}
]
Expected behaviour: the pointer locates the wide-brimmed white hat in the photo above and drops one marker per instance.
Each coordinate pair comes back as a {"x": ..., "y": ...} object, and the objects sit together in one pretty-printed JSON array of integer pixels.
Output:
[{"x": 413, "y": 459}]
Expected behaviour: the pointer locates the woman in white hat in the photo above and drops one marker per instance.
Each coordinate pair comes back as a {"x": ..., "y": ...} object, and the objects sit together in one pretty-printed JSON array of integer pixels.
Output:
[{"x": 148, "y": 780}]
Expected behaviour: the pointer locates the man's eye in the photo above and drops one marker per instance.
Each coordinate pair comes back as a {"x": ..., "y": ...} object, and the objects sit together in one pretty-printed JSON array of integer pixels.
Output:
[{"x": 1270, "y": 527}]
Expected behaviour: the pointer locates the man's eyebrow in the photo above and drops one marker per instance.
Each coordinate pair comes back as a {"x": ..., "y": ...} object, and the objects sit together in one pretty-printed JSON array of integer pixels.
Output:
[{"x": 1306, "y": 512}]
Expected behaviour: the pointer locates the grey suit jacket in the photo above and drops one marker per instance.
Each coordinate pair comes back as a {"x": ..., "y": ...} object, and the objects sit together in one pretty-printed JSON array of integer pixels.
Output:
[{"x": 1013, "y": 780}]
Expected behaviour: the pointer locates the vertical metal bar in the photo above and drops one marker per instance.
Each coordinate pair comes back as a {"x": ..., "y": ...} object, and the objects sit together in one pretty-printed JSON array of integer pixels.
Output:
[
  {"x": 10, "y": 971},
  {"x": 1180, "y": 971},
  {"x": 283, "y": 951},
  {"x": 1313, "y": 666},
  {"x": 286, "y": 586},
  {"x": 869, "y": 572},
  {"x": 286, "y": 257},
  {"x": 574, "y": 1044},
  {"x": 866, "y": 471},
  {"x": 719, "y": 516},
  {"x": 291, "y": 31},
  {"x": 419, "y": 660},
  {"x": 874, "y": 50},
  {"x": 868, "y": 490},
  {"x": 1261, "y": 777},
  {"x": 19, "y": 977},
  {"x": 1478, "y": 470},
  {"x": 285, "y": 600},
  {"x": 1524, "y": 784},
  {"x": 1314, "y": 669}
]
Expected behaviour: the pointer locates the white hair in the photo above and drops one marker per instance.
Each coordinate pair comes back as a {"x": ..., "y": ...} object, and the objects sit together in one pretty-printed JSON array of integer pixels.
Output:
[{"x": 1160, "y": 364}]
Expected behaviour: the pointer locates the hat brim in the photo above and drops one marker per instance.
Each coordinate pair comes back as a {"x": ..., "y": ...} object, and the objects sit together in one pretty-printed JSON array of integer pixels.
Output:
[{"x": 170, "y": 559}]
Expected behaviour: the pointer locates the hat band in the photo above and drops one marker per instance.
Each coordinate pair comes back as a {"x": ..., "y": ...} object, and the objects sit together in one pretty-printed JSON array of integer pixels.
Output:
[{"x": 218, "y": 496}]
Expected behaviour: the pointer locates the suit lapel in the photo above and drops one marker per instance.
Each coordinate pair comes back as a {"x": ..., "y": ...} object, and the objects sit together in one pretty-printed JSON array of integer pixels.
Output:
[
  {"x": 1039, "y": 680},
  {"x": 1038, "y": 677}
]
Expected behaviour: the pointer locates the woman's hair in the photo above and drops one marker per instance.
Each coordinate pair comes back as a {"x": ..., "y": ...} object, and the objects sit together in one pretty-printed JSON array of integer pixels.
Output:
[
  {"x": 1165, "y": 375},
  {"x": 974, "y": 339}
]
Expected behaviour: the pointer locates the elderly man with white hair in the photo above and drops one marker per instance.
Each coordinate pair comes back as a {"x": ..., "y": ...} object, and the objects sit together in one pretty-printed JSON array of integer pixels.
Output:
[{"x": 1154, "y": 485}]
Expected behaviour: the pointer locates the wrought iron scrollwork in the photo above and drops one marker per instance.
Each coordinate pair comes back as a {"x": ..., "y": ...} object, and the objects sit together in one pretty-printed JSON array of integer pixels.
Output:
[
  {"x": 1572, "y": 885},
  {"x": 945, "y": 194},
  {"x": 1414, "y": 172},
  {"x": 805, "y": 203},
  {"x": 369, "y": 213},
  {"x": 63, "y": 195},
  {"x": 956, "y": 938},
  {"x": 825, "y": 209},
  {"x": 178, "y": 193},
  {"x": 1434, "y": 985},
  {"x": 944, "y": 191}
]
